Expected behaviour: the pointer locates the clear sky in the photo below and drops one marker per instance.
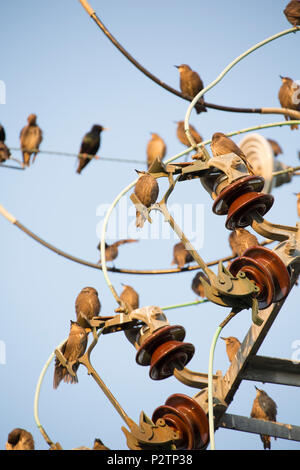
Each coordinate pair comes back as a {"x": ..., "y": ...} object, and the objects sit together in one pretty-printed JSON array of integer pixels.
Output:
[{"x": 56, "y": 63}]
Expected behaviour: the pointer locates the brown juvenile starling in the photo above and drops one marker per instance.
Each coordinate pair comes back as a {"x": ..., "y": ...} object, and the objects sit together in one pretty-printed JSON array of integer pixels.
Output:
[
  {"x": 89, "y": 146},
  {"x": 289, "y": 97},
  {"x": 87, "y": 306},
  {"x": 292, "y": 12},
  {"x": 20, "y": 439},
  {"x": 98, "y": 445},
  {"x": 111, "y": 251},
  {"x": 30, "y": 138},
  {"x": 298, "y": 203},
  {"x": 277, "y": 150},
  {"x": 130, "y": 297},
  {"x": 182, "y": 135},
  {"x": 146, "y": 189},
  {"x": 221, "y": 145},
  {"x": 232, "y": 346},
  {"x": 72, "y": 350},
  {"x": 197, "y": 286},
  {"x": 264, "y": 408},
  {"x": 181, "y": 255},
  {"x": 191, "y": 84},
  {"x": 156, "y": 149},
  {"x": 240, "y": 240}
]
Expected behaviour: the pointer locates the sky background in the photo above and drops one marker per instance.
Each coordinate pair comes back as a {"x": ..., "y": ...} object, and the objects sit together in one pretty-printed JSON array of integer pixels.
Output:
[{"x": 56, "y": 63}]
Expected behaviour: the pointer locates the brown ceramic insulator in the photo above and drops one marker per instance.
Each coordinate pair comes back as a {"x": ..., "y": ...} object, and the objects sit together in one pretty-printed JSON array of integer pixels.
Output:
[
  {"x": 193, "y": 422},
  {"x": 160, "y": 336},
  {"x": 243, "y": 185},
  {"x": 240, "y": 213},
  {"x": 169, "y": 356}
]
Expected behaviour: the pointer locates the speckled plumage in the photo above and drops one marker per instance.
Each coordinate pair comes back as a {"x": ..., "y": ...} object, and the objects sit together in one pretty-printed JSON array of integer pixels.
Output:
[
  {"x": 87, "y": 306},
  {"x": 191, "y": 84},
  {"x": 264, "y": 407},
  {"x": 289, "y": 97},
  {"x": 146, "y": 189}
]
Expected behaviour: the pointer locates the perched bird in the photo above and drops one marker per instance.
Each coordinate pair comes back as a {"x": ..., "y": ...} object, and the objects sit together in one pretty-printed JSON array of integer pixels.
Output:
[
  {"x": 111, "y": 251},
  {"x": 197, "y": 286},
  {"x": 89, "y": 146},
  {"x": 181, "y": 255},
  {"x": 72, "y": 350},
  {"x": 98, "y": 445},
  {"x": 31, "y": 137},
  {"x": 264, "y": 408},
  {"x": 156, "y": 149},
  {"x": 289, "y": 97},
  {"x": 182, "y": 135},
  {"x": 298, "y": 203},
  {"x": 292, "y": 12},
  {"x": 130, "y": 296},
  {"x": 240, "y": 240},
  {"x": 146, "y": 189},
  {"x": 87, "y": 306},
  {"x": 2, "y": 134},
  {"x": 232, "y": 346},
  {"x": 19, "y": 439},
  {"x": 4, "y": 152},
  {"x": 277, "y": 150},
  {"x": 221, "y": 145},
  {"x": 191, "y": 84}
]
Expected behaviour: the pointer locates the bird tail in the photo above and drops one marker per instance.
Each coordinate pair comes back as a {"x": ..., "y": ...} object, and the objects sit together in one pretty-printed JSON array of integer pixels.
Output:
[
  {"x": 266, "y": 441},
  {"x": 200, "y": 108},
  {"x": 26, "y": 158},
  {"x": 61, "y": 373},
  {"x": 294, "y": 127}
]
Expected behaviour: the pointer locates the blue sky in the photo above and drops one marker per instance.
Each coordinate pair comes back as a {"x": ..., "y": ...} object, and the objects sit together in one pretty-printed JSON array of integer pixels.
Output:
[{"x": 59, "y": 65}]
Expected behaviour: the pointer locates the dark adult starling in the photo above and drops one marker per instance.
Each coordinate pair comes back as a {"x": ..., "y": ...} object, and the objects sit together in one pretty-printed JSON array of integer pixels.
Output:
[
  {"x": 182, "y": 135},
  {"x": 240, "y": 240},
  {"x": 197, "y": 287},
  {"x": 89, "y": 146},
  {"x": 292, "y": 12},
  {"x": 130, "y": 296},
  {"x": 146, "y": 189},
  {"x": 181, "y": 255},
  {"x": 190, "y": 83},
  {"x": 232, "y": 346},
  {"x": 98, "y": 445},
  {"x": 156, "y": 149},
  {"x": 277, "y": 150},
  {"x": 221, "y": 145},
  {"x": 20, "y": 439},
  {"x": 264, "y": 408},
  {"x": 87, "y": 306},
  {"x": 72, "y": 350},
  {"x": 289, "y": 97},
  {"x": 30, "y": 138},
  {"x": 111, "y": 251},
  {"x": 2, "y": 134}
]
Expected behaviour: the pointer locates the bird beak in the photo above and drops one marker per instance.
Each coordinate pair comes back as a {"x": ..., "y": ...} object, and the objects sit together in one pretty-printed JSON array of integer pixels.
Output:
[
  {"x": 257, "y": 388},
  {"x": 105, "y": 128},
  {"x": 281, "y": 77},
  {"x": 177, "y": 66},
  {"x": 222, "y": 338}
]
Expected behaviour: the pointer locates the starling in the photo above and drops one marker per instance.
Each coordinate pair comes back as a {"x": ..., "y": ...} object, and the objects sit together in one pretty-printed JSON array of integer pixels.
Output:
[
  {"x": 20, "y": 439},
  {"x": 289, "y": 97},
  {"x": 298, "y": 203},
  {"x": 197, "y": 286},
  {"x": 292, "y": 12},
  {"x": 181, "y": 255},
  {"x": 156, "y": 149},
  {"x": 221, "y": 145},
  {"x": 182, "y": 135},
  {"x": 130, "y": 297},
  {"x": 240, "y": 240},
  {"x": 87, "y": 306},
  {"x": 277, "y": 150},
  {"x": 4, "y": 152},
  {"x": 72, "y": 350},
  {"x": 89, "y": 146},
  {"x": 232, "y": 346},
  {"x": 98, "y": 445},
  {"x": 30, "y": 138},
  {"x": 111, "y": 251},
  {"x": 191, "y": 84},
  {"x": 264, "y": 408},
  {"x": 146, "y": 189}
]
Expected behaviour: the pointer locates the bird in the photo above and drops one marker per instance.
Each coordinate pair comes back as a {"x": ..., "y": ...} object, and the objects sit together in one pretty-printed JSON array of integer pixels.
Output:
[
  {"x": 292, "y": 12},
  {"x": 130, "y": 297},
  {"x": 277, "y": 150},
  {"x": 87, "y": 306},
  {"x": 4, "y": 150},
  {"x": 156, "y": 149},
  {"x": 264, "y": 408},
  {"x": 289, "y": 97},
  {"x": 72, "y": 350},
  {"x": 221, "y": 145},
  {"x": 111, "y": 251},
  {"x": 89, "y": 146},
  {"x": 191, "y": 84},
  {"x": 182, "y": 137},
  {"x": 197, "y": 286},
  {"x": 2, "y": 134},
  {"x": 232, "y": 346},
  {"x": 98, "y": 445},
  {"x": 181, "y": 255},
  {"x": 298, "y": 203},
  {"x": 31, "y": 137},
  {"x": 240, "y": 240},
  {"x": 146, "y": 189},
  {"x": 20, "y": 439}
]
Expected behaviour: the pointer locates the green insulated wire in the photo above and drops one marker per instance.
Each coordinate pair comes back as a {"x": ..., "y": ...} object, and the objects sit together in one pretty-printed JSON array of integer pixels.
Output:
[{"x": 210, "y": 389}]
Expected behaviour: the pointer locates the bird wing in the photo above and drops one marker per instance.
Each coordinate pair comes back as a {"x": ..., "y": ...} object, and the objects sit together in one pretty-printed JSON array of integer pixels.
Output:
[
  {"x": 122, "y": 242},
  {"x": 90, "y": 143},
  {"x": 269, "y": 406}
]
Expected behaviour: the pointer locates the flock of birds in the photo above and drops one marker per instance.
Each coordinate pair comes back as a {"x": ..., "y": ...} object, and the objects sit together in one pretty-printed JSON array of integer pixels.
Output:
[{"x": 87, "y": 305}]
